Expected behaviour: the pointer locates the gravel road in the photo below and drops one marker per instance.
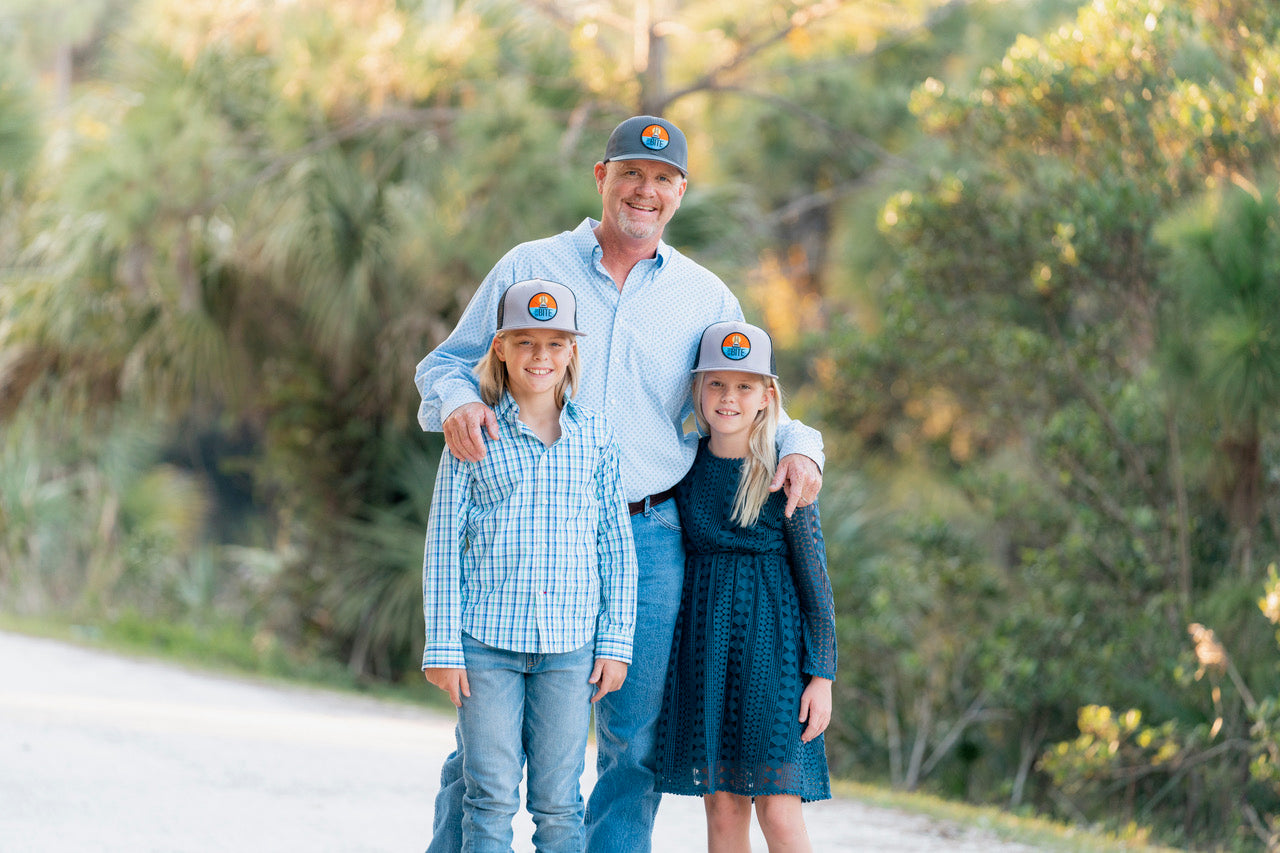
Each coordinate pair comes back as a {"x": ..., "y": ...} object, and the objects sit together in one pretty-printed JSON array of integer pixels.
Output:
[{"x": 100, "y": 752}]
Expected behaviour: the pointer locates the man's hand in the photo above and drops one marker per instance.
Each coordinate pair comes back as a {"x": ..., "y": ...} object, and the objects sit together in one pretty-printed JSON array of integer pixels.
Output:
[
  {"x": 607, "y": 676},
  {"x": 451, "y": 681},
  {"x": 462, "y": 430},
  {"x": 815, "y": 707},
  {"x": 799, "y": 475}
]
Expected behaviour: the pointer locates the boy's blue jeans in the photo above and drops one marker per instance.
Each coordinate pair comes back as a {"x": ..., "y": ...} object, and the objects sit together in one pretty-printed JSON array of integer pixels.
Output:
[
  {"x": 623, "y": 804},
  {"x": 522, "y": 707}
]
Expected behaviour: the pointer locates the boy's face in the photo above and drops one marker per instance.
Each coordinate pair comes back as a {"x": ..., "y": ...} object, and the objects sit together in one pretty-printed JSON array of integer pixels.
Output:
[{"x": 536, "y": 359}]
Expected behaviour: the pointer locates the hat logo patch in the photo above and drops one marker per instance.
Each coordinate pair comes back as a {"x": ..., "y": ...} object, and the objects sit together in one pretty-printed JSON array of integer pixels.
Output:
[
  {"x": 735, "y": 346},
  {"x": 543, "y": 306},
  {"x": 655, "y": 137}
]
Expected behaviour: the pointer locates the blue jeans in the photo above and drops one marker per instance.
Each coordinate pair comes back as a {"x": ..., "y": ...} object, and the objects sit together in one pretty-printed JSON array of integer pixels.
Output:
[
  {"x": 533, "y": 707},
  {"x": 623, "y": 803}
]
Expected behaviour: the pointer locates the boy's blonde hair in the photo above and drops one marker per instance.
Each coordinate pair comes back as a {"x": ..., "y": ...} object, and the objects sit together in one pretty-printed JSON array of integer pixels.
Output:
[
  {"x": 762, "y": 460},
  {"x": 491, "y": 371}
]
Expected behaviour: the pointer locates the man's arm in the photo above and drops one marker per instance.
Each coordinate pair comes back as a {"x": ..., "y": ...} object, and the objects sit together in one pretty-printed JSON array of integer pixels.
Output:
[
  {"x": 444, "y": 378},
  {"x": 799, "y": 469}
]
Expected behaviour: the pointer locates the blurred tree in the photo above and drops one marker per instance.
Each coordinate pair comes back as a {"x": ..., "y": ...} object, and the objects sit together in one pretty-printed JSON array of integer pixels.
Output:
[
  {"x": 1016, "y": 354},
  {"x": 1224, "y": 271},
  {"x": 267, "y": 213}
]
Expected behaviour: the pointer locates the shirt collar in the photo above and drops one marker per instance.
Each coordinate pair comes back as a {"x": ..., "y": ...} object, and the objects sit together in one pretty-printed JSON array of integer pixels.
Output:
[
  {"x": 584, "y": 239},
  {"x": 571, "y": 416}
]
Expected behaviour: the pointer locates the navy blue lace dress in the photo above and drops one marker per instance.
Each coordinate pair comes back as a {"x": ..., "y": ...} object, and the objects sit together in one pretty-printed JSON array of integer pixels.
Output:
[{"x": 756, "y": 620}]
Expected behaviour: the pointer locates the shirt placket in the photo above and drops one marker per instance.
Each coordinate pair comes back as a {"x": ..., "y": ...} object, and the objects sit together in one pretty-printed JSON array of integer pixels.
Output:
[{"x": 542, "y": 607}]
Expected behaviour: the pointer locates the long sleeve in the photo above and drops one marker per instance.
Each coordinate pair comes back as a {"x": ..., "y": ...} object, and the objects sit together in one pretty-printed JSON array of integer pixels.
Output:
[
  {"x": 808, "y": 560},
  {"x": 795, "y": 437},
  {"x": 445, "y": 378},
  {"x": 442, "y": 565},
  {"x": 619, "y": 571}
]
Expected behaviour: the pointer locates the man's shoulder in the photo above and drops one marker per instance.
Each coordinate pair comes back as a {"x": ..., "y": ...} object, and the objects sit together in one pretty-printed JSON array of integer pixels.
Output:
[
  {"x": 679, "y": 265},
  {"x": 565, "y": 240}
]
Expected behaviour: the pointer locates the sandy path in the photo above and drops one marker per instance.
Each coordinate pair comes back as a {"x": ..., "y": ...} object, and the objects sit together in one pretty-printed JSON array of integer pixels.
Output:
[{"x": 107, "y": 753}]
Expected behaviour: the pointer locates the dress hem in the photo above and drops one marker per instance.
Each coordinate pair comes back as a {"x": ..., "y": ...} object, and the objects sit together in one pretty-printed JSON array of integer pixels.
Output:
[{"x": 687, "y": 792}]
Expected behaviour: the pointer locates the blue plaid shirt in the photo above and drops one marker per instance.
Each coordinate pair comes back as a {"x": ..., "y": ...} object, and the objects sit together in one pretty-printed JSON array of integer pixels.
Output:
[
  {"x": 530, "y": 549},
  {"x": 641, "y": 344}
]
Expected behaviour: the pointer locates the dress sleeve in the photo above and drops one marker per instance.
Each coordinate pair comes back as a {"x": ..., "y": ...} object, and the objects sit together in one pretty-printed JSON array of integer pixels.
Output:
[{"x": 808, "y": 560}]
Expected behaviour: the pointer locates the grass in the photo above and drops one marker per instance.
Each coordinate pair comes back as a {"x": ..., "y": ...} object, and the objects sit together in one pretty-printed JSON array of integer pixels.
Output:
[
  {"x": 1032, "y": 831},
  {"x": 228, "y": 649}
]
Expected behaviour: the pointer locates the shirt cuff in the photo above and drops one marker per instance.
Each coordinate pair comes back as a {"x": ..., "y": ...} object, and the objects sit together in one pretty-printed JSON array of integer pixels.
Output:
[
  {"x": 442, "y": 657},
  {"x": 454, "y": 400},
  {"x": 614, "y": 647},
  {"x": 812, "y": 450}
]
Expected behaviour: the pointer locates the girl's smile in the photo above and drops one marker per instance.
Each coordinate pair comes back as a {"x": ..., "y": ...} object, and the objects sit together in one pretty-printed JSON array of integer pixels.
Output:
[{"x": 730, "y": 401}]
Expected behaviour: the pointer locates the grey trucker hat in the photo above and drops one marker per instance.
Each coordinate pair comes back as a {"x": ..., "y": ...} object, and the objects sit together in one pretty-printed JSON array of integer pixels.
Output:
[
  {"x": 648, "y": 138},
  {"x": 734, "y": 345},
  {"x": 538, "y": 304}
]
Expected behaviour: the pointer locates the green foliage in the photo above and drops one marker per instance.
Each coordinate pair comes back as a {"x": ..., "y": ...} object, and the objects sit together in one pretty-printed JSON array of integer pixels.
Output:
[
  {"x": 1038, "y": 354},
  {"x": 1040, "y": 336}
]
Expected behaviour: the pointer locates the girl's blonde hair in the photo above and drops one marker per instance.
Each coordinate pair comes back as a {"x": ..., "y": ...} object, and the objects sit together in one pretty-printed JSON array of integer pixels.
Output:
[
  {"x": 492, "y": 373},
  {"x": 762, "y": 460}
]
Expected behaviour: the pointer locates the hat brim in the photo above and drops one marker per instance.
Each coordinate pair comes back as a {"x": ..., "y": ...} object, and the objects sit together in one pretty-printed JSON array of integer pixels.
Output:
[
  {"x": 736, "y": 369},
  {"x": 656, "y": 157},
  {"x": 519, "y": 327}
]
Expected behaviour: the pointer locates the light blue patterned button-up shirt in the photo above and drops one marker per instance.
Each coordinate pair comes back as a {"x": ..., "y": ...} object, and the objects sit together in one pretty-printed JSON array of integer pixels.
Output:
[
  {"x": 640, "y": 346},
  {"x": 530, "y": 549}
]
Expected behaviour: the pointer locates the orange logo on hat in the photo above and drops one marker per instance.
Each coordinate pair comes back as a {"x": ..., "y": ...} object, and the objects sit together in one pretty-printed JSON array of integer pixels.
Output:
[
  {"x": 655, "y": 136},
  {"x": 543, "y": 306},
  {"x": 735, "y": 346}
]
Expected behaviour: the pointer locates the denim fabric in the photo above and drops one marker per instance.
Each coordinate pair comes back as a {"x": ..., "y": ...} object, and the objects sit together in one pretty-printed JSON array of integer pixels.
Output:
[
  {"x": 623, "y": 804},
  {"x": 524, "y": 706}
]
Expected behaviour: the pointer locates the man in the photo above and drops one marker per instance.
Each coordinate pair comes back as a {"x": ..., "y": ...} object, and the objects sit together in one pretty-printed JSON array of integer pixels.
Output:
[{"x": 644, "y": 307}]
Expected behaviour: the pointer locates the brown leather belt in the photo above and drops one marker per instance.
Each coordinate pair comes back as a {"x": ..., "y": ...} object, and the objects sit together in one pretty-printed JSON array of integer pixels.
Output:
[{"x": 637, "y": 507}]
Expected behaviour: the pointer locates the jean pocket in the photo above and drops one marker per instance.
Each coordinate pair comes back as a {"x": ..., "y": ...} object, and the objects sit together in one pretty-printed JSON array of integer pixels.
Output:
[{"x": 667, "y": 514}]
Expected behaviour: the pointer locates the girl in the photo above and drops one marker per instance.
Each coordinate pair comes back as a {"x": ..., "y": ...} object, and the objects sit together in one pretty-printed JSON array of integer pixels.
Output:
[
  {"x": 529, "y": 580},
  {"x": 748, "y": 690}
]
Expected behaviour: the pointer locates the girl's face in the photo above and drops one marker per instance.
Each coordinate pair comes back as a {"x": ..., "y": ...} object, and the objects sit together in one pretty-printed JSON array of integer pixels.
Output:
[
  {"x": 536, "y": 359},
  {"x": 731, "y": 400}
]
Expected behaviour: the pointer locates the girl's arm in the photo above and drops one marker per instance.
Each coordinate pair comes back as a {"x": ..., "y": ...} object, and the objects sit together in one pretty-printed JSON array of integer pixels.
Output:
[{"x": 808, "y": 560}]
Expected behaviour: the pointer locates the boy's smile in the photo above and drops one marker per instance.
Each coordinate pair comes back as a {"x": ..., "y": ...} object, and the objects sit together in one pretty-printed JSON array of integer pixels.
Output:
[{"x": 536, "y": 359}]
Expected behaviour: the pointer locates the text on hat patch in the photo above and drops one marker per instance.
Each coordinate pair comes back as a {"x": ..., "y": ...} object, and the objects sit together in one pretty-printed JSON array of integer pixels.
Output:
[
  {"x": 736, "y": 346},
  {"x": 655, "y": 137},
  {"x": 542, "y": 306}
]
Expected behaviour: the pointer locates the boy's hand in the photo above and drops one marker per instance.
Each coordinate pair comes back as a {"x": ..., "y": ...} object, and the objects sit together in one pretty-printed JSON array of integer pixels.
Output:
[
  {"x": 815, "y": 707},
  {"x": 607, "y": 676},
  {"x": 462, "y": 430},
  {"x": 450, "y": 680}
]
